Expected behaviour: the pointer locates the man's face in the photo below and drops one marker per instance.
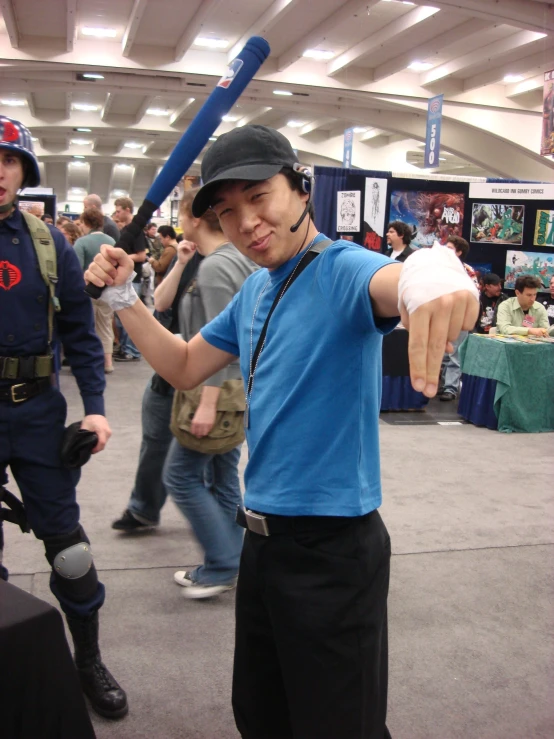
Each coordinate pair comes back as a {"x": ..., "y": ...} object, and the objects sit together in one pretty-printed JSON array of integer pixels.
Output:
[
  {"x": 11, "y": 176},
  {"x": 123, "y": 215},
  {"x": 493, "y": 291},
  {"x": 527, "y": 297},
  {"x": 151, "y": 232},
  {"x": 552, "y": 287},
  {"x": 451, "y": 246},
  {"x": 256, "y": 217},
  {"x": 394, "y": 239}
]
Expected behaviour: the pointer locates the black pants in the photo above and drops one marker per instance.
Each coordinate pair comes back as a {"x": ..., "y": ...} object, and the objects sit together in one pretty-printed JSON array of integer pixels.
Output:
[{"x": 311, "y": 655}]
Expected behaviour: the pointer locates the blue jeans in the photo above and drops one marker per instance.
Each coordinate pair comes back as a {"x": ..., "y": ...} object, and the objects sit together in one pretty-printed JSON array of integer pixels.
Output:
[
  {"x": 452, "y": 368},
  {"x": 211, "y": 510},
  {"x": 125, "y": 342},
  {"x": 149, "y": 493}
]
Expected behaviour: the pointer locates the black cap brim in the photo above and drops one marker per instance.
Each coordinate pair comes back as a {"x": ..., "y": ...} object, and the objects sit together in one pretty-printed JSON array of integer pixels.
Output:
[{"x": 251, "y": 172}]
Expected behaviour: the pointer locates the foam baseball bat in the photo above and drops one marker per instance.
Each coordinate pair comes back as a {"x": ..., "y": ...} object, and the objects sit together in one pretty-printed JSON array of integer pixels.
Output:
[{"x": 229, "y": 88}]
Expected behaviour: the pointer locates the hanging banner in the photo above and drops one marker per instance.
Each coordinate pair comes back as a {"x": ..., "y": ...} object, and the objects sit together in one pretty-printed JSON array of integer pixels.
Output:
[
  {"x": 347, "y": 154},
  {"x": 348, "y": 211},
  {"x": 547, "y": 139},
  {"x": 433, "y": 135}
]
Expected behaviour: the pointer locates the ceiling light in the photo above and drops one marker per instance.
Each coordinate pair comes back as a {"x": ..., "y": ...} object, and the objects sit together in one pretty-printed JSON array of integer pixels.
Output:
[
  {"x": 119, "y": 193},
  {"x": 157, "y": 111},
  {"x": 319, "y": 54},
  {"x": 98, "y": 32},
  {"x": 211, "y": 43},
  {"x": 78, "y": 164},
  {"x": 34, "y": 138},
  {"x": 359, "y": 129},
  {"x": 78, "y": 156},
  {"x": 133, "y": 145},
  {"x": 407, "y": 2},
  {"x": 13, "y": 103},
  {"x": 420, "y": 66},
  {"x": 212, "y": 138},
  {"x": 295, "y": 124},
  {"x": 281, "y": 92},
  {"x": 229, "y": 118},
  {"x": 87, "y": 107},
  {"x": 509, "y": 78},
  {"x": 93, "y": 76},
  {"x": 81, "y": 142},
  {"x": 442, "y": 159},
  {"x": 83, "y": 130},
  {"x": 77, "y": 189},
  {"x": 124, "y": 166}
]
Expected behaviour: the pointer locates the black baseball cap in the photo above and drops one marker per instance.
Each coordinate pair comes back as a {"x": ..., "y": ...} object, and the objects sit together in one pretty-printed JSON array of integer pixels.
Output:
[{"x": 246, "y": 153}]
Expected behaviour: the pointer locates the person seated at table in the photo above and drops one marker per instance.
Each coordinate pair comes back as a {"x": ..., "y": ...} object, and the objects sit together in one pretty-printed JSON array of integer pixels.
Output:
[
  {"x": 523, "y": 315},
  {"x": 548, "y": 302},
  {"x": 451, "y": 372},
  {"x": 399, "y": 235},
  {"x": 489, "y": 300}
]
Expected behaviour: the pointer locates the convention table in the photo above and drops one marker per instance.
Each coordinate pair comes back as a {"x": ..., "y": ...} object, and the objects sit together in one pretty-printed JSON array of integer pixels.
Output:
[
  {"x": 398, "y": 393},
  {"x": 40, "y": 693},
  {"x": 507, "y": 383}
]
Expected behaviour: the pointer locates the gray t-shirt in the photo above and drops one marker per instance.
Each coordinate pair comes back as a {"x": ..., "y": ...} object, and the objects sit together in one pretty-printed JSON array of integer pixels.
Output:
[{"x": 219, "y": 277}]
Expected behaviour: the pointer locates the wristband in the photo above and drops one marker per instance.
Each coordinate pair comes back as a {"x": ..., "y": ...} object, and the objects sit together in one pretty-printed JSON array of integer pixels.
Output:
[
  {"x": 123, "y": 296},
  {"x": 428, "y": 274}
]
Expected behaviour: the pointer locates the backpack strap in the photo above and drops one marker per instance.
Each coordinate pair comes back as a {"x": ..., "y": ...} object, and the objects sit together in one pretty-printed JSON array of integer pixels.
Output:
[{"x": 46, "y": 254}]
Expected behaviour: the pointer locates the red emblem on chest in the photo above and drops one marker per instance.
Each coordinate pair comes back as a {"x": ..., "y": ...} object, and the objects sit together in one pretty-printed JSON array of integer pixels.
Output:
[{"x": 10, "y": 275}]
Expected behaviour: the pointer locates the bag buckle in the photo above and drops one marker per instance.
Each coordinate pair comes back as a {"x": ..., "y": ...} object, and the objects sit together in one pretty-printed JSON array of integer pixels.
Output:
[
  {"x": 13, "y": 393},
  {"x": 256, "y": 523}
]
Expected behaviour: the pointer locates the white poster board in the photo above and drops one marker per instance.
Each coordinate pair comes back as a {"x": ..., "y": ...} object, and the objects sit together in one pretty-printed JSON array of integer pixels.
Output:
[
  {"x": 348, "y": 211},
  {"x": 375, "y": 204}
]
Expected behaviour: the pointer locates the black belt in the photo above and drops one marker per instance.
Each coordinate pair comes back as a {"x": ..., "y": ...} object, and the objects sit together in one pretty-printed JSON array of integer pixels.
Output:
[
  {"x": 22, "y": 391},
  {"x": 267, "y": 525}
]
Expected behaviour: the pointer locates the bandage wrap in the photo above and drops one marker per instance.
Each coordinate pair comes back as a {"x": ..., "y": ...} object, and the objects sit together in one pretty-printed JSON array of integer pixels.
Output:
[
  {"x": 123, "y": 296},
  {"x": 428, "y": 274}
]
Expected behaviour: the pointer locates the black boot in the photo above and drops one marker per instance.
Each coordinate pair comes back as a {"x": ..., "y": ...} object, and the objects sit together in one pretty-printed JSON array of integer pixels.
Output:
[{"x": 104, "y": 693}]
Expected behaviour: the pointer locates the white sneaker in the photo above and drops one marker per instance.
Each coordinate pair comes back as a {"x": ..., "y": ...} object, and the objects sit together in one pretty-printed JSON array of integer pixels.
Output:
[{"x": 194, "y": 590}]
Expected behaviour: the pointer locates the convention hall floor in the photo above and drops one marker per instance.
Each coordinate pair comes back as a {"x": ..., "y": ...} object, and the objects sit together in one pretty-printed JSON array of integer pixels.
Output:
[{"x": 471, "y": 599}]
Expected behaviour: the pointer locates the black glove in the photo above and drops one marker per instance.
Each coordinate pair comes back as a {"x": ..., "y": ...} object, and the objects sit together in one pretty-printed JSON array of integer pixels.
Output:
[{"x": 77, "y": 446}]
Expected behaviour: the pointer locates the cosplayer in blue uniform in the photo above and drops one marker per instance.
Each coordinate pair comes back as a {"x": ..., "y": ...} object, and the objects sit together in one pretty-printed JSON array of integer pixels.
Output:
[{"x": 33, "y": 411}]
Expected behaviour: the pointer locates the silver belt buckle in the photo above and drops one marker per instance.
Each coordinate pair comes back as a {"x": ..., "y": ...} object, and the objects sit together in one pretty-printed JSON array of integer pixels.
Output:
[{"x": 256, "y": 523}]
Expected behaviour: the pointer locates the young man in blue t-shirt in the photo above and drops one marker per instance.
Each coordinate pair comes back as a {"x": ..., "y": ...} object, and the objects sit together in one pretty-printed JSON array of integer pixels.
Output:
[{"x": 311, "y": 635}]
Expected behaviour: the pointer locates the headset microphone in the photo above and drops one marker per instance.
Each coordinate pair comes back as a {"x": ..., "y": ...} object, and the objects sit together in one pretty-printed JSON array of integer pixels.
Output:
[
  {"x": 307, "y": 186},
  {"x": 298, "y": 223}
]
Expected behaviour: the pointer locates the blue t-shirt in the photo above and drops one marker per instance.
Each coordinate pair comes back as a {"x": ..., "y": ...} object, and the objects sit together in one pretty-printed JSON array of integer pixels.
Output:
[{"x": 314, "y": 410}]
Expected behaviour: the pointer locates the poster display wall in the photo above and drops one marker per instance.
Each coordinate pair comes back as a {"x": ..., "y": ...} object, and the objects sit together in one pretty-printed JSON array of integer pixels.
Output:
[
  {"x": 494, "y": 223},
  {"x": 544, "y": 228},
  {"x": 533, "y": 263},
  {"x": 433, "y": 216},
  {"x": 375, "y": 206},
  {"x": 348, "y": 211}
]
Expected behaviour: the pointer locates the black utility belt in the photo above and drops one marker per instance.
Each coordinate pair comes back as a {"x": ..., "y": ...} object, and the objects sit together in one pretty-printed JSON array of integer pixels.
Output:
[
  {"x": 267, "y": 525},
  {"x": 22, "y": 391},
  {"x": 26, "y": 368}
]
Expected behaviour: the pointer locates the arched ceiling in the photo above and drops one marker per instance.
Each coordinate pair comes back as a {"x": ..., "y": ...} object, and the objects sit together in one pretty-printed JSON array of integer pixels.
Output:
[{"x": 384, "y": 58}]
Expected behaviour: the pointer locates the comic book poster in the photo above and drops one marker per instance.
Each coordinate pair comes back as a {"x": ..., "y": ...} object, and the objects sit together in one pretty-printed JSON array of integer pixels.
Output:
[
  {"x": 35, "y": 207},
  {"x": 544, "y": 228},
  {"x": 348, "y": 211},
  {"x": 433, "y": 216},
  {"x": 492, "y": 223},
  {"x": 481, "y": 269},
  {"x": 375, "y": 205},
  {"x": 547, "y": 137},
  {"x": 520, "y": 263}
]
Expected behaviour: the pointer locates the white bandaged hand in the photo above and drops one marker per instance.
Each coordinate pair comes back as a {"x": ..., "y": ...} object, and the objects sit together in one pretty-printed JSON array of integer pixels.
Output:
[
  {"x": 428, "y": 274},
  {"x": 123, "y": 296}
]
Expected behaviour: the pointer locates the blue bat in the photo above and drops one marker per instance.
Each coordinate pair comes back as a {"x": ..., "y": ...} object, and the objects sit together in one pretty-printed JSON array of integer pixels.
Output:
[{"x": 229, "y": 88}]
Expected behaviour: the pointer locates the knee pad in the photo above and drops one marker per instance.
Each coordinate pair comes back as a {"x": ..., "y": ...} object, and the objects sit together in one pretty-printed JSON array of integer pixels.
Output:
[{"x": 72, "y": 565}]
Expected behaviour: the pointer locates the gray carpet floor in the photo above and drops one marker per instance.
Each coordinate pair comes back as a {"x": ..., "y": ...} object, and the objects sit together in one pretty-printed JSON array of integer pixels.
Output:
[{"x": 471, "y": 517}]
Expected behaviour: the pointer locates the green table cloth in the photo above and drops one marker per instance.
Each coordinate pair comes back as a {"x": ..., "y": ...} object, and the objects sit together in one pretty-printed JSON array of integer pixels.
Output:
[{"x": 524, "y": 374}]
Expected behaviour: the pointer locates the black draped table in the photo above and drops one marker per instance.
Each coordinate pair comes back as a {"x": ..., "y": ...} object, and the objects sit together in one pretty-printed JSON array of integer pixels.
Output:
[
  {"x": 40, "y": 693},
  {"x": 398, "y": 393}
]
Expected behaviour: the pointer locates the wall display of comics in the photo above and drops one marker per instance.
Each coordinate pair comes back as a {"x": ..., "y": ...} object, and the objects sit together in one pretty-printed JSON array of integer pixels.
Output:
[
  {"x": 433, "y": 216},
  {"x": 520, "y": 263},
  {"x": 544, "y": 228},
  {"x": 492, "y": 223}
]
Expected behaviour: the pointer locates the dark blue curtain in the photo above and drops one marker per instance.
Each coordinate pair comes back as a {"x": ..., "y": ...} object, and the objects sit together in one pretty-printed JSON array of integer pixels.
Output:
[{"x": 328, "y": 182}]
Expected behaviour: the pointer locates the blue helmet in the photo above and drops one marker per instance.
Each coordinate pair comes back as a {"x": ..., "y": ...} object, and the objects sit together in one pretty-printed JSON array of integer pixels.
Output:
[{"x": 17, "y": 137}]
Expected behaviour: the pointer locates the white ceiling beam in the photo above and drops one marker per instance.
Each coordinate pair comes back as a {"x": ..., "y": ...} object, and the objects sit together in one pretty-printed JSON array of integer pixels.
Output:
[
  {"x": 260, "y": 27},
  {"x": 197, "y": 22},
  {"x": 372, "y": 133},
  {"x": 315, "y": 124},
  {"x": 71, "y": 24},
  {"x": 176, "y": 116},
  {"x": 31, "y": 102},
  {"x": 479, "y": 56},
  {"x": 110, "y": 97},
  {"x": 527, "y": 65},
  {"x": 6, "y": 6},
  {"x": 132, "y": 26},
  {"x": 430, "y": 48},
  {"x": 319, "y": 34},
  {"x": 521, "y": 88},
  {"x": 376, "y": 40},
  {"x": 68, "y": 98},
  {"x": 249, "y": 117},
  {"x": 146, "y": 103},
  {"x": 525, "y": 14}
]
